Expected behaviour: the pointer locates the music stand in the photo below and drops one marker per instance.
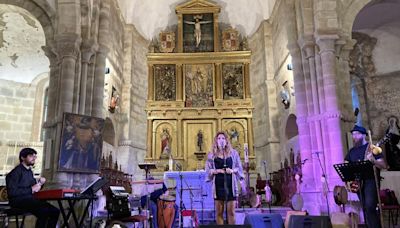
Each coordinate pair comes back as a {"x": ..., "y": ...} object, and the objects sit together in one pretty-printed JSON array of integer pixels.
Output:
[
  {"x": 147, "y": 167},
  {"x": 93, "y": 187},
  {"x": 356, "y": 171}
]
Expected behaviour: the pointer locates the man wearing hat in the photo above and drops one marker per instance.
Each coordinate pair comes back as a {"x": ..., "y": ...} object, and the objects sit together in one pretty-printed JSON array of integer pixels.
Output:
[
  {"x": 21, "y": 185},
  {"x": 367, "y": 192}
]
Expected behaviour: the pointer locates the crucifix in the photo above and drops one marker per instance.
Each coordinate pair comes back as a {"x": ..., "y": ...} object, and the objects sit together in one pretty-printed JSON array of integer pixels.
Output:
[{"x": 197, "y": 27}]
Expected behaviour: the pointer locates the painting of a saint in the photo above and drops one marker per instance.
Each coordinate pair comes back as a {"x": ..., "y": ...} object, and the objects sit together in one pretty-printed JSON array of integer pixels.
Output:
[
  {"x": 232, "y": 81},
  {"x": 199, "y": 85},
  {"x": 81, "y": 146},
  {"x": 165, "y": 82},
  {"x": 165, "y": 143}
]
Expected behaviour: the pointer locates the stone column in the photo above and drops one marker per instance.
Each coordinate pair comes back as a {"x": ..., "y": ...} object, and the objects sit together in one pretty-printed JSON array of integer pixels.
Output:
[
  {"x": 332, "y": 115},
  {"x": 308, "y": 186},
  {"x": 53, "y": 81},
  {"x": 88, "y": 49},
  {"x": 98, "y": 83},
  {"x": 68, "y": 50},
  {"x": 53, "y": 96},
  {"x": 89, "y": 84}
]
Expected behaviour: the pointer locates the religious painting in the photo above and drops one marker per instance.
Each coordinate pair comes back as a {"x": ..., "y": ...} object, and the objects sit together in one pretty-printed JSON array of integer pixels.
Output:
[
  {"x": 235, "y": 129},
  {"x": 199, "y": 82},
  {"x": 165, "y": 82},
  {"x": 167, "y": 42},
  {"x": 198, "y": 32},
  {"x": 81, "y": 143},
  {"x": 165, "y": 139},
  {"x": 230, "y": 40},
  {"x": 232, "y": 76}
]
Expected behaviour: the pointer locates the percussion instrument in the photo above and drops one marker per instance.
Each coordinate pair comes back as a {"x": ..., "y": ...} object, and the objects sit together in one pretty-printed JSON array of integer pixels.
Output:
[
  {"x": 165, "y": 211},
  {"x": 297, "y": 198},
  {"x": 340, "y": 195}
]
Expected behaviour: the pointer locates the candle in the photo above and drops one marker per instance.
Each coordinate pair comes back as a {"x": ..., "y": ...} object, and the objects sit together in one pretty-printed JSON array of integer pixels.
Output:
[
  {"x": 246, "y": 152},
  {"x": 170, "y": 163}
]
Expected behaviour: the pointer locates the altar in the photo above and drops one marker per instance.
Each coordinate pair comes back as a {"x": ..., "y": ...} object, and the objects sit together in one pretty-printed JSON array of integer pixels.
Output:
[{"x": 196, "y": 193}]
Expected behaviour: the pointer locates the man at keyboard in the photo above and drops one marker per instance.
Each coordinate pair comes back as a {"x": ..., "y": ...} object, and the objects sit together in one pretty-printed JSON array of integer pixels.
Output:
[{"x": 20, "y": 188}]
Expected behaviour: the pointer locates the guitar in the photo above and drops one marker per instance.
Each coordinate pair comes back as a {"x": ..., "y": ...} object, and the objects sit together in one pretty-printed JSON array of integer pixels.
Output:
[{"x": 355, "y": 185}]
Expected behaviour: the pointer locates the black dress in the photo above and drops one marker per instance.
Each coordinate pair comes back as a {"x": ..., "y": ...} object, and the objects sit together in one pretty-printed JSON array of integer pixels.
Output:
[{"x": 219, "y": 179}]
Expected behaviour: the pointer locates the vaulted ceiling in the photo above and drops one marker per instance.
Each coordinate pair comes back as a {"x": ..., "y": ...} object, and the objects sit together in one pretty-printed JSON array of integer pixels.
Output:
[{"x": 152, "y": 16}]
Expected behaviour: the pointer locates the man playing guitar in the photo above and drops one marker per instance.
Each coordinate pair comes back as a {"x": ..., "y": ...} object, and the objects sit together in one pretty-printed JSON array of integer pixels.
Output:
[{"x": 367, "y": 190}]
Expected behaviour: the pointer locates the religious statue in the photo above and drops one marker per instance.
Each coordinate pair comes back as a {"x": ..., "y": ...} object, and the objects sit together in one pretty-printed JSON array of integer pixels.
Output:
[
  {"x": 200, "y": 139},
  {"x": 393, "y": 146},
  {"x": 197, "y": 27},
  {"x": 234, "y": 135}
]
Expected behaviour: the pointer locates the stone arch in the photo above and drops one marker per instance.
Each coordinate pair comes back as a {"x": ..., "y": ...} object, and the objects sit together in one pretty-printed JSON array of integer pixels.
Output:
[
  {"x": 42, "y": 83},
  {"x": 291, "y": 129},
  {"x": 352, "y": 10},
  {"x": 109, "y": 132},
  {"x": 42, "y": 11}
]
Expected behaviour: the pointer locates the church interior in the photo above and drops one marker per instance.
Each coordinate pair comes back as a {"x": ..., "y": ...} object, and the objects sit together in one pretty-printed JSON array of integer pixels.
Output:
[{"x": 100, "y": 87}]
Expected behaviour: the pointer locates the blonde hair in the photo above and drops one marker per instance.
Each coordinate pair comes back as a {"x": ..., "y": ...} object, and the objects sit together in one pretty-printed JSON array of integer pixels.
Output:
[{"x": 228, "y": 147}]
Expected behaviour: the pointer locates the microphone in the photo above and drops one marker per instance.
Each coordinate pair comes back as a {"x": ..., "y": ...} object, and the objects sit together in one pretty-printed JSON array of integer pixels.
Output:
[
  {"x": 178, "y": 166},
  {"x": 264, "y": 162},
  {"x": 304, "y": 161}
]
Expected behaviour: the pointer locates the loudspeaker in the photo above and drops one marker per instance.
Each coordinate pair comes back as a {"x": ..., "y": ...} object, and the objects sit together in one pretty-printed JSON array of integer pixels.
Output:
[
  {"x": 307, "y": 221},
  {"x": 264, "y": 220},
  {"x": 224, "y": 226}
]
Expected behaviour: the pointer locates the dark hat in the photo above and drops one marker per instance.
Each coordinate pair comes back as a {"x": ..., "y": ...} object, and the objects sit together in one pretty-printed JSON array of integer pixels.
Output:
[
  {"x": 359, "y": 129},
  {"x": 25, "y": 152}
]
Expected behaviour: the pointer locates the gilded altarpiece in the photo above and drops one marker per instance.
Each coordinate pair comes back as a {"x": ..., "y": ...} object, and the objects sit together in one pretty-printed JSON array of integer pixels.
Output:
[{"x": 197, "y": 90}]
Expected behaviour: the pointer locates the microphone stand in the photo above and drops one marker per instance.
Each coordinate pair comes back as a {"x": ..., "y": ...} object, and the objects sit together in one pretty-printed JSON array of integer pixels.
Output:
[
  {"x": 226, "y": 191},
  {"x": 325, "y": 181},
  {"x": 191, "y": 203},
  {"x": 180, "y": 199}
]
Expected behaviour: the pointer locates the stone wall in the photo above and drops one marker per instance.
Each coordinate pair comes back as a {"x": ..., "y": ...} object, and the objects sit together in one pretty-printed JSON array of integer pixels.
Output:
[
  {"x": 17, "y": 105},
  {"x": 378, "y": 94}
]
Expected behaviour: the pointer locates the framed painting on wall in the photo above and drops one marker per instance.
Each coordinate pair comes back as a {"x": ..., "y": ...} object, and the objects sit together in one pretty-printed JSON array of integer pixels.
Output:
[{"x": 81, "y": 143}]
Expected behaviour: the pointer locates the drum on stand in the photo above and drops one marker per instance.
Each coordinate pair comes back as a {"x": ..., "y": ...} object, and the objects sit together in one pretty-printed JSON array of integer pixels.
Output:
[{"x": 166, "y": 211}]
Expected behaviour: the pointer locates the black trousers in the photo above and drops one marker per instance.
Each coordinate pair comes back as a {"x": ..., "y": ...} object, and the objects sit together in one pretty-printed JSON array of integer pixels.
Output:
[
  {"x": 369, "y": 200},
  {"x": 46, "y": 214}
]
